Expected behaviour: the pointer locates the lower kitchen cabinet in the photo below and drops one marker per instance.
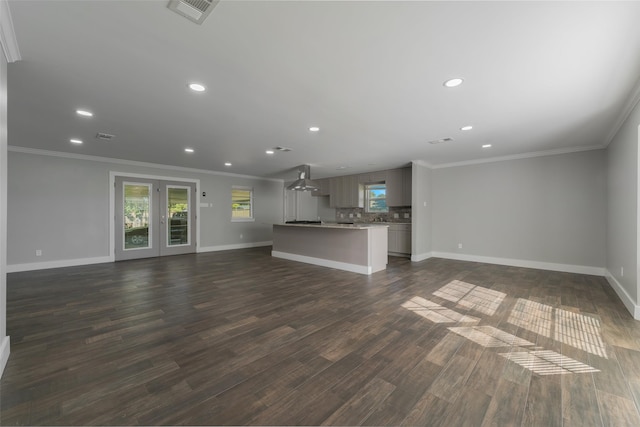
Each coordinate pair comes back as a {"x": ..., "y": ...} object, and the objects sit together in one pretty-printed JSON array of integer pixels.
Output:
[{"x": 399, "y": 239}]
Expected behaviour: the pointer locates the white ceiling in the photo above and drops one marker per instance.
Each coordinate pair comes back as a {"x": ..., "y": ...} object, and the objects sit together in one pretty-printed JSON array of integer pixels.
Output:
[{"x": 538, "y": 76}]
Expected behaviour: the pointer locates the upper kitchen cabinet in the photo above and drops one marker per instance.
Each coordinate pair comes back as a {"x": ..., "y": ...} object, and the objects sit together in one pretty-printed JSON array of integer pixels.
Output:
[
  {"x": 407, "y": 184},
  {"x": 398, "y": 183},
  {"x": 346, "y": 192},
  {"x": 325, "y": 187},
  {"x": 372, "y": 177}
]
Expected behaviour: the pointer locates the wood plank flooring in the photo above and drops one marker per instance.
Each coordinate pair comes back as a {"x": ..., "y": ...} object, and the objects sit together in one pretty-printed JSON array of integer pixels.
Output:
[{"x": 241, "y": 338}]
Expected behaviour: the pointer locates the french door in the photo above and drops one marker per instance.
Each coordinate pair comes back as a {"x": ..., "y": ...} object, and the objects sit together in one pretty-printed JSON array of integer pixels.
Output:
[{"x": 154, "y": 218}]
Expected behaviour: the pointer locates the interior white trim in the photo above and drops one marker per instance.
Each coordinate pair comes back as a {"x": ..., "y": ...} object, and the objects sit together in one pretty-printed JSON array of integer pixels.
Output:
[
  {"x": 633, "y": 100},
  {"x": 551, "y": 266},
  {"x": 422, "y": 163},
  {"x": 421, "y": 257},
  {"x": 234, "y": 246},
  {"x": 555, "y": 152},
  {"x": 130, "y": 162},
  {"x": 8, "y": 38},
  {"x": 354, "y": 268},
  {"x": 112, "y": 203},
  {"x": 15, "y": 268},
  {"x": 5, "y": 350},
  {"x": 624, "y": 296}
]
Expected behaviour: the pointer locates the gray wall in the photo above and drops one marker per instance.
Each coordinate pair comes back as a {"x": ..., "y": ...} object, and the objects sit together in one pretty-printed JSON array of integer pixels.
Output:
[
  {"x": 544, "y": 209},
  {"x": 300, "y": 205},
  {"x": 422, "y": 208},
  {"x": 325, "y": 212},
  {"x": 622, "y": 204},
  {"x": 3, "y": 208},
  {"x": 61, "y": 206}
]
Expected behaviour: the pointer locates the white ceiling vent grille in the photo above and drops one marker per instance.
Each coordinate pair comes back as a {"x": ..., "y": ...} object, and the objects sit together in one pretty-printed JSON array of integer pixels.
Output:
[
  {"x": 193, "y": 10},
  {"x": 104, "y": 136},
  {"x": 441, "y": 140}
]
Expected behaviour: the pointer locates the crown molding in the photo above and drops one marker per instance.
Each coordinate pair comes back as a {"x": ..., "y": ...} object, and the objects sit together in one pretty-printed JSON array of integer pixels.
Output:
[
  {"x": 632, "y": 101},
  {"x": 422, "y": 163},
  {"x": 7, "y": 34},
  {"x": 555, "y": 152},
  {"x": 40, "y": 152}
]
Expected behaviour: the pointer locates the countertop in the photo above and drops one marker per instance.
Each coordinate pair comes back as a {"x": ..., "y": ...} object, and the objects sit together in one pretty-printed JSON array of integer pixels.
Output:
[{"x": 336, "y": 225}]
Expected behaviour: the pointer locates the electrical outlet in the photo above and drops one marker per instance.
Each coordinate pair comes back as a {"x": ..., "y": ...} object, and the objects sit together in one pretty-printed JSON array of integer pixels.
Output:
[
  {"x": 350, "y": 215},
  {"x": 459, "y": 245},
  {"x": 38, "y": 252},
  {"x": 621, "y": 271},
  {"x": 407, "y": 215},
  {"x": 241, "y": 236},
  {"x": 359, "y": 215},
  {"x": 396, "y": 216}
]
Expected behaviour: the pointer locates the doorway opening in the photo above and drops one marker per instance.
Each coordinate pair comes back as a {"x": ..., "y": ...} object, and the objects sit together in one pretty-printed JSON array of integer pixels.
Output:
[{"x": 153, "y": 217}]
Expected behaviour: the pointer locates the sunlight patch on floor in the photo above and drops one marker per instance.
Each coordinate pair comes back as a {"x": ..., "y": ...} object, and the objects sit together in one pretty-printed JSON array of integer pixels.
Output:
[
  {"x": 470, "y": 296},
  {"x": 435, "y": 312},
  {"x": 574, "y": 329},
  {"x": 488, "y": 336},
  {"x": 577, "y": 330},
  {"x": 547, "y": 362}
]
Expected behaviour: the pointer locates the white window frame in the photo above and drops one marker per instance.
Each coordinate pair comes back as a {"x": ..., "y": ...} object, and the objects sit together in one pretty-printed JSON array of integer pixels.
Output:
[
  {"x": 366, "y": 197},
  {"x": 251, "y": 217}
]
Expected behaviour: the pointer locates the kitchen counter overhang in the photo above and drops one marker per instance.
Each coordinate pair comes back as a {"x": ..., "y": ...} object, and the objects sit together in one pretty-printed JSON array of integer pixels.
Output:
[{"x": 359, "y": 248}]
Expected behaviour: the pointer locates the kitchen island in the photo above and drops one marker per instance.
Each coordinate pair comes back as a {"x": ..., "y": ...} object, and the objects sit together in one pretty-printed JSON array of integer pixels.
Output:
[{"x": 360, "y": 248}]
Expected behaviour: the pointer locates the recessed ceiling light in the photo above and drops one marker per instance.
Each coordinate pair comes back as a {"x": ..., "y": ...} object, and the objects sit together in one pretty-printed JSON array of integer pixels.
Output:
[
  {"x": 453, "y": 82},
  {"x": 75, "y": 141},
  {"x": 269, "y": 151},
  {"x": 486, "y": 146},
  {"x": 314, "y": 128},
  {"x": 196, "y": 87},
  {"x": 466, "y": 128},
  {"x": 227, "y": 164},
  {"x": 84, "y": 113},
  {"x": 189, "y": 150}
]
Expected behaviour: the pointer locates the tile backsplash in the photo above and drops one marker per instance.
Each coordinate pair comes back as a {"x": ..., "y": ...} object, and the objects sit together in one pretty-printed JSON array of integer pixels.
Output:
[{"x": 395, "y": 214}]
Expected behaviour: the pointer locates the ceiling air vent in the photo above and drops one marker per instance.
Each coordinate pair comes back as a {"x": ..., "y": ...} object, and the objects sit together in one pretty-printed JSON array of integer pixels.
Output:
[
  {"x": 193, "y": 10},
  {"x": 282, "y": 148},
  {"x": 441, "y": 140},
  {"x": 104, "y": 136}
]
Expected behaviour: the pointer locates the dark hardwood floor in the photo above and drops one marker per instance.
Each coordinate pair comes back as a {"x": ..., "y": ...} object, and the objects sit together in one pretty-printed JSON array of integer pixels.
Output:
[{"x": 239, "y": 337}]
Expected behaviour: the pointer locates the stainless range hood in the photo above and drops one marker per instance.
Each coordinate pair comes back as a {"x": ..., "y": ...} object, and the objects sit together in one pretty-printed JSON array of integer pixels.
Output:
[{"x": 304, "y": 183}]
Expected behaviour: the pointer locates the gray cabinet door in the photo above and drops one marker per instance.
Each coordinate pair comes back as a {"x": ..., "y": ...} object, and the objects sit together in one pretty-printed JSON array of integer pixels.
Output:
[
  {"x": 399, "y": 239},
  {"x": 394, "y": 187}
]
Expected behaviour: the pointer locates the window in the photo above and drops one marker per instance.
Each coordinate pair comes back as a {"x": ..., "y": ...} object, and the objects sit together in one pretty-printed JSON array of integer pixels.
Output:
[
  {"x": 375, "y": 198},
  {"x": 241, "y": 204}
]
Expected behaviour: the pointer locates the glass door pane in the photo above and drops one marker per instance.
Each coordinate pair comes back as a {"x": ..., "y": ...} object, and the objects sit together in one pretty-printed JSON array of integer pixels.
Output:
[
  {"x": 178, "y": 215},
  {"x": 137, "y": 216}
]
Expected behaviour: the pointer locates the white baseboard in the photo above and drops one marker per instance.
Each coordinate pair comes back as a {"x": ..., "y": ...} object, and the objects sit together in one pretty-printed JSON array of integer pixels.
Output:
[
  {"x": 234, "y": 246},
  {"x": 626, "y": 299},
  {"x": 15, "y": 268},
  {"x": 354, "y": 268},
  {"x": 421, "y": 257},
  {"x": 5, "y": 349},
  {"x": 566, "y": 268}
]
